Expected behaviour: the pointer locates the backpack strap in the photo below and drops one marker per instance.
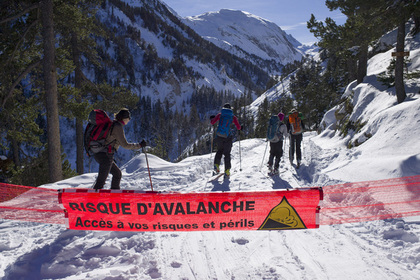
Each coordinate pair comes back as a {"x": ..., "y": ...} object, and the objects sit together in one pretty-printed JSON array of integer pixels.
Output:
[{"x": 110, "y": 145}]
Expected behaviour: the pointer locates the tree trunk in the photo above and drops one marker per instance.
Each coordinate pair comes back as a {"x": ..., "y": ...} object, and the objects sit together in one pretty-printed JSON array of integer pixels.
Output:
[
  {"x": 351, "y": 68},
  {"x": 15, "y": 149},
  {"x": 79, "y": 121},
  {"x": 399, "y": 63},
  {"x": 416, "y": 28},
  {"x": 362, "y": 65},
  {"x": 51, "y": 98}
]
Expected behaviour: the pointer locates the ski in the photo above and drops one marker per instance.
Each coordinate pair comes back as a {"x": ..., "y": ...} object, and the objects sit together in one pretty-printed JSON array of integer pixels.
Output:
[
  {"x": 296, "y": 166},
  {"x": 215, "y": 177}
]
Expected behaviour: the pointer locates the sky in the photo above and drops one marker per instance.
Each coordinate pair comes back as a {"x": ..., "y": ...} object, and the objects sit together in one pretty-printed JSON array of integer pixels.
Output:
[{"x": 291, "y": 16}]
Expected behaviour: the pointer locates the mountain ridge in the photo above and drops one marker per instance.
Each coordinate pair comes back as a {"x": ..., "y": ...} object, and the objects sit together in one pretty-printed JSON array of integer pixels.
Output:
[{"x": 248, "y": 36}]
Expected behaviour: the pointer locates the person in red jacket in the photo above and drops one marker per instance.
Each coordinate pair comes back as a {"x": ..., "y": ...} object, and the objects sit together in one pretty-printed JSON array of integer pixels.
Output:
[
  {"x": 224, "y": 138},
  {"x": 114, "y": 140}
]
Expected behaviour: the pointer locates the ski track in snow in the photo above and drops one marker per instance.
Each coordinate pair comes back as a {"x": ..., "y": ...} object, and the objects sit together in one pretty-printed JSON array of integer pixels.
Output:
[{"x": 369, "y": 250}]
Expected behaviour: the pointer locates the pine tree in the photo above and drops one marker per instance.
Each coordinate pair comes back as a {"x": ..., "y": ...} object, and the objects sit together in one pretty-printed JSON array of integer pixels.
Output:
[
  {"x": 262, "y": 119},
  {"x": 51, "y": 94},
  {"x": 399, "y": 12}
]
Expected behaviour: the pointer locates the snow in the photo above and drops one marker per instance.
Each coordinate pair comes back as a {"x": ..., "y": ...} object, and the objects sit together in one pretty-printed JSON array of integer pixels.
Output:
[
  {"x": 253, "y": 35},
  {"x": 388, "y": 248},
  {"x": 383, "y": 249}
]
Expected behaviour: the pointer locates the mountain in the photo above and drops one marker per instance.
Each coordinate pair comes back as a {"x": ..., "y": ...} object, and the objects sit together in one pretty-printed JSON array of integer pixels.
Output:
[
  {"x": 164, "y": 59},
  {"x": 150, "y": 51},
  {"x": 248, "y": 36}
]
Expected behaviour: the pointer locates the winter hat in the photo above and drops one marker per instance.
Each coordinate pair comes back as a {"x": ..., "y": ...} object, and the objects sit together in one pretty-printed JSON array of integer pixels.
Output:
[
  {"x": 124, "y": 113},
  {"x": 281, "y": 116},
  {"x": 227, "y": 105}
]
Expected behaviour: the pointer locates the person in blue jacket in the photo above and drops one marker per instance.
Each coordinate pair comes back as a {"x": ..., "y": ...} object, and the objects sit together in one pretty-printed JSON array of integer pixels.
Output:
[{"x": 224, "y": 138}]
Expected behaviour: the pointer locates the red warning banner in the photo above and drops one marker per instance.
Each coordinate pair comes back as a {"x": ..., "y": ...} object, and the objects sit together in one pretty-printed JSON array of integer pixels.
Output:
[{"x": 153, "y": 211}]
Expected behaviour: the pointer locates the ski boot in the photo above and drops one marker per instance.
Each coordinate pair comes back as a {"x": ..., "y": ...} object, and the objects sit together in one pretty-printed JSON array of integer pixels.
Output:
[
  {"x": 270, "y": 169},
  {"x": 227, "y": 174},
  {"x": 216, "y": 169}
]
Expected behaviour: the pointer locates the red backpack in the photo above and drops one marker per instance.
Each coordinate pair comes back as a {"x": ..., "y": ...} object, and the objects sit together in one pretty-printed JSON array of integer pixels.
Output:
[{"x": 98, "y": 128}]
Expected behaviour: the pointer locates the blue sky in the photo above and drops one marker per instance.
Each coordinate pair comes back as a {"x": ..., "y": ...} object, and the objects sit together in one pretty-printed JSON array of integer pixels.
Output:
[{"x": 290, "y": 15}]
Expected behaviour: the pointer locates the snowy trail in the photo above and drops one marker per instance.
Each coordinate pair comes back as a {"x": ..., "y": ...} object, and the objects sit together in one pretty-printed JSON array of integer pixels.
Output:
[
  {"x": 307, "y": 254},
  {"x": 385, "y": 249}
]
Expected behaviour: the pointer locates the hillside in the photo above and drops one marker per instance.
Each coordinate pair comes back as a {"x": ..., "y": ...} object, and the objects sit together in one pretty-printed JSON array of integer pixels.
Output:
[
  {"x": 166, "y": 59},
  {"x": 173, "y": 69}
]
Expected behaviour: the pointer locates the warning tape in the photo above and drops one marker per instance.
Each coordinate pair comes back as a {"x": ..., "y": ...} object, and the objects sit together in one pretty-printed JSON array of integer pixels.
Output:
[{"x": 342, "y": 203}]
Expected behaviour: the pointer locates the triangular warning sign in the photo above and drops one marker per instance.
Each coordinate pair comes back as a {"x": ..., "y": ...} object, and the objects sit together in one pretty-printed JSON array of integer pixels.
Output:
[{"x": 283, "y": 216}]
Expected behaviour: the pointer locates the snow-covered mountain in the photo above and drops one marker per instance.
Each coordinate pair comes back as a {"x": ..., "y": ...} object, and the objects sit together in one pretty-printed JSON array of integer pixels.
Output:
[
  {"x": 247, "y": 36},
  {"x": 157, "y": 55},
  {"x": 150, "y": 51}
]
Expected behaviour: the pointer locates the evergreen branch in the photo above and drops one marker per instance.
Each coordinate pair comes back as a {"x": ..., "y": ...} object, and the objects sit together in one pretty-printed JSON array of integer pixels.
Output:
[
  {"x": 18, "y": 80},
  {"x": 20, "y": 41},
  {"x": 25, "y": 11},
  {"x": 89, "y": 82}
]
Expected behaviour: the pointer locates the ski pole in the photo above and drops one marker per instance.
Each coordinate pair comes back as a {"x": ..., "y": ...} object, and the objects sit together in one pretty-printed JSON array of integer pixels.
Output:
[
  {"x": 284, "y": 147},
  {"x": 291, "y": 147},
  {"x": 148, "y": 169},
  {"x": 211, "y": 145},
  {"x": 240, "y": 158},
  {"x": 266, "y": 146}
]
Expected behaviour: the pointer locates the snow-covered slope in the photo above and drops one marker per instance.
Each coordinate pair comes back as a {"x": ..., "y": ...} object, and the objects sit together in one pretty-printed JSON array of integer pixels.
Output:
[
  {"x": 161, "y": 58},
  {"x": 386, "y": 249},
  {"x": 247, "y": 36}
]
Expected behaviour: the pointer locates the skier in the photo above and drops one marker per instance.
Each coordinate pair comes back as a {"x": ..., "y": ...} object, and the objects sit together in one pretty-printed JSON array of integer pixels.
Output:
[
  {"x": 114, "y": 140},
  {"x": 276, "y": 130},
  {"x": 224, "y": 137},
  {"x": 295, "y": 126}
]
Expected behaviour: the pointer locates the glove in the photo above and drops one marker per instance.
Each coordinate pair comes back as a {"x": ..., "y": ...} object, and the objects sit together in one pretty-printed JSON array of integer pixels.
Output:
[
  {"x": 242, "y": 128},
  {"x": 212, "y": 117},
  {"x": 143, "y": 143}
]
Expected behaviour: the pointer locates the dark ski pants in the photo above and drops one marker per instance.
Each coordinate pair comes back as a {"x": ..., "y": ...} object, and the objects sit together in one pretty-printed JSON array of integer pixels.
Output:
[
  {"x": 276, "y": 152},
  {"x": 106, "y": 166},
  {"x": 295, "y": 145},
  {"x": 224, "y": 146}
]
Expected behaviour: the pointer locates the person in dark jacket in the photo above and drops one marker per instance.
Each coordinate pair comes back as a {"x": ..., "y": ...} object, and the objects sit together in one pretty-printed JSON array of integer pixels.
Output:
[
  {"x": 295, "y": 126},
  {"x": 224, "y": 139},
  {"x": 114, "y": 140},
  {"x": 276, "y": 146}
]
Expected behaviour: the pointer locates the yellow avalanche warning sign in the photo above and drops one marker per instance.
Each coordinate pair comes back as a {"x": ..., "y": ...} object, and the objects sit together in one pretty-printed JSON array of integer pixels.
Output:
[{"x": 281, "y": 217}]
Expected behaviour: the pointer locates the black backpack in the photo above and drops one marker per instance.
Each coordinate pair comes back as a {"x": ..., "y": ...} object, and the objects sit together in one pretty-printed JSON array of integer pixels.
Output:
[{"x": 98, "y": 128}]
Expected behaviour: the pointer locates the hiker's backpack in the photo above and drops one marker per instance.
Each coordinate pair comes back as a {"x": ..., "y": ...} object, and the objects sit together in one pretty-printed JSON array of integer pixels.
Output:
[
  {"x": 226, "y": 118},
  {"x": 273, "y": 134},
  {"x": 295, "y": 124},
  {"x": 98, "y": 128}
]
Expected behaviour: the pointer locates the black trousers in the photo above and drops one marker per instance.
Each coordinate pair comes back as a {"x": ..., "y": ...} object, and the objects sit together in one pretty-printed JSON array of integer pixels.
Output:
[
  {"x": 295, "y": 145},
  {"x": 224, "y": 147},
  {"x": 276, "y": 152},
  {"x": 106, "y": 166}
]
